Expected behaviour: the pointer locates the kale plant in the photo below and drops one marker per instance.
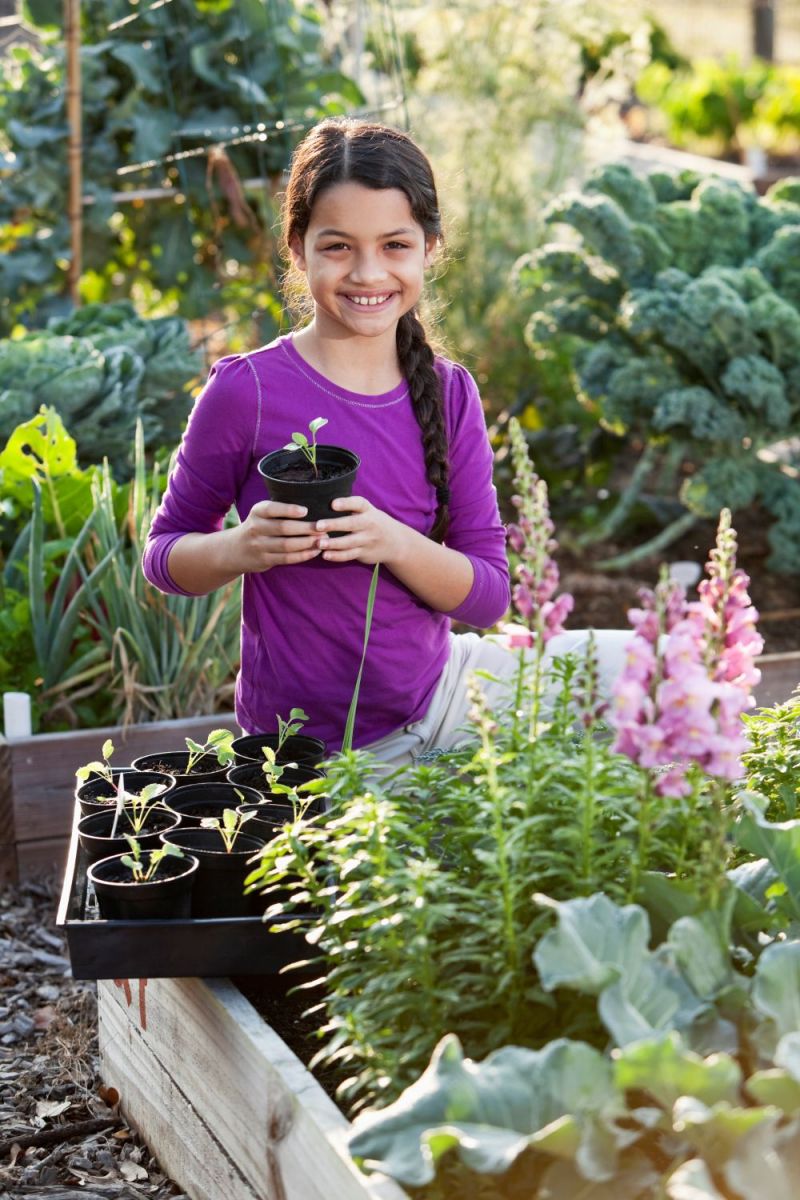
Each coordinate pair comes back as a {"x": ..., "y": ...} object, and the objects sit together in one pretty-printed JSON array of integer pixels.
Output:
[{"x": 677, "y": 303}]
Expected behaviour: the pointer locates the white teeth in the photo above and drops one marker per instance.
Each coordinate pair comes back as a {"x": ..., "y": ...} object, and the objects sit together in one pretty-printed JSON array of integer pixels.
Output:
[{"x": 368, "y": 300}]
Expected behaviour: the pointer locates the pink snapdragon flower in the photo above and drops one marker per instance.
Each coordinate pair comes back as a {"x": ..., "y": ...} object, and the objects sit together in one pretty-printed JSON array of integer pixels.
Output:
[
  {"x": 531, "y": 538},
  {"x": 688, "y": 674}
]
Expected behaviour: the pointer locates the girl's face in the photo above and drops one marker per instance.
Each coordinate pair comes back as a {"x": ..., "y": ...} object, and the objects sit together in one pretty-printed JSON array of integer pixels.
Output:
[{"x": 364, "y": 257}]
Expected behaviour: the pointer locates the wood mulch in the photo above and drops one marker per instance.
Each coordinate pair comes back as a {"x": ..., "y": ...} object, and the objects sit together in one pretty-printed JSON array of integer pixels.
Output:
[{"x": 62, "y": 1136}]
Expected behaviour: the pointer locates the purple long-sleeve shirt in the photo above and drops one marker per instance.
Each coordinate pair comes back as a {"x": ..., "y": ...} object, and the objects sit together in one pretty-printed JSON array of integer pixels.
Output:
[{"x": 303, "y": 625}]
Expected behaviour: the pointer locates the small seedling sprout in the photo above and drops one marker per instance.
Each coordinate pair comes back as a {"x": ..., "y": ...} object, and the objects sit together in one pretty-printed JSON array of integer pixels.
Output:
[
  {"x": 230, "y": 827},
  {"x": 309, "y": 449},
  {"x": 141, "y": 804},
  {"x": 219, "y": 742},
  {"x": 103, "y": 769},
  {"x": 297, "y": 719},
  {"x": 135, "y": 862}
]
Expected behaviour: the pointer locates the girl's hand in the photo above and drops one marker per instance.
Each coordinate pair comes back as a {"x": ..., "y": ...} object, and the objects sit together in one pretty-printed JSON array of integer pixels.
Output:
[
  {"x": 273, "y": 535},
  {"x": 371, "y": 535}
]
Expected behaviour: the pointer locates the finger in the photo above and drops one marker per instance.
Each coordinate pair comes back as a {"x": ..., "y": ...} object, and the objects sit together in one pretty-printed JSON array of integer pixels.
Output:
[
  {"x": 350, "y": 504},
  {"x": 296, "y": 556},
  {"x": 276, "y": 508}
]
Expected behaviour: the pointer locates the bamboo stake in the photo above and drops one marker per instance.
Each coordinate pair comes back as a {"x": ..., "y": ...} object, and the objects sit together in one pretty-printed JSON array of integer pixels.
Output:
[{"x": 72, "y": 33}]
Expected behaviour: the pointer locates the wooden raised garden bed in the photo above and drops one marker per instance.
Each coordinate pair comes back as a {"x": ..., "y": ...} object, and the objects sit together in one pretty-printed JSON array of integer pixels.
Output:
[
  {"x": 37, "y": 784},
  {"x": 227, "y": 1107}
]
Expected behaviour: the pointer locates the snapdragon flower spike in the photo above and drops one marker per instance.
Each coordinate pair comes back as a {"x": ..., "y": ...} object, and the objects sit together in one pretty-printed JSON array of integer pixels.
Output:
[
  {"x": 679, "y": 700},
  {"x": 531, "y": 539}
]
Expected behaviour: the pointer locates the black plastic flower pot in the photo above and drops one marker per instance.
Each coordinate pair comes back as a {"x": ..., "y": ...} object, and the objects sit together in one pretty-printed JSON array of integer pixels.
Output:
[
  {"x": 289, "y": 478},
  {"x": 166, "y": 896},
  {"x": 98, "y": 795},
  {"x": 298, "y": 747},
  {"x": 205, "y": 770},
  {"x": 94, "y": 831},
  {"x": 251, "y": 775},
  {"x": 219, "y": 887},
  {"x": 196, "y": 801}
]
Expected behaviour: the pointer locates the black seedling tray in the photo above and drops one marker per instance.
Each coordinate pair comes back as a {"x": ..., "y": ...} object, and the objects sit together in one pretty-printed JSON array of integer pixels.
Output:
[{"x": 208, "y": 948}]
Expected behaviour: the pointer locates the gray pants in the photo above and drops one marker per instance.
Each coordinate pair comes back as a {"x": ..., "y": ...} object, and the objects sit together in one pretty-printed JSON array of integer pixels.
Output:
[{"x": 443, "y": 726}]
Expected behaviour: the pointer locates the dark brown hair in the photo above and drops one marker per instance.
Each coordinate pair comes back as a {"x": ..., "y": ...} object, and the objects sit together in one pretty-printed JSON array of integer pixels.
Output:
[{"x": 349, "y": 151}]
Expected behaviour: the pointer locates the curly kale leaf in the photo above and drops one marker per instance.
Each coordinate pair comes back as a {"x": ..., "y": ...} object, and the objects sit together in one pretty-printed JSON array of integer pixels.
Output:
[
  {"x": 629, "y": 388},
  {"x": 759, "y": 388},
  {"x": 778, "y": 324},
  {"x": 565, "y": 269},
  {"x": 631, "y": 192},
  {"x": 669, "y": 187},
  {"x": 779, "y": 262},
  {"x": 785, "y": 191},
  {"x": 730, "y": 482},
  {"x": 605, "y": 229},
  {"x": 701, "y": 413}
]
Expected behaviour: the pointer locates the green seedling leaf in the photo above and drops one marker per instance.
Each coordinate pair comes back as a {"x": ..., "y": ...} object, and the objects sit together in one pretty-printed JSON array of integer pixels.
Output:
[
  {"x": 300, "y": 439},
  {"x": 230, "y": 818},
  {"x": 194, "y": 747},
  {"x": 594, "y": 943},
  {"x": 666, "y": 1069},
  {"x": 561, "y": 1099},
  {"x": 317, "y": 424},
  {"x": 108, "y": 749}
]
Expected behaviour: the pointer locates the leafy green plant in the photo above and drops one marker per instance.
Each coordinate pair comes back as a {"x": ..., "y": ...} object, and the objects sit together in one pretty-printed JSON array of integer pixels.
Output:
[
  {"x": 286, "y": 729},
  {"x": 193, "y": 97},
  {"x": 142, "y": 872},
  {"x": 726, "y": 106},
  {"x": 678, "y": 303},
  {"x": 308, "y": 449},
  {"x": 99, "y": 767},
  {"x": 136, "y": 806},
  {"x": 102, "y": 370},
  {"x": 229, "y": 827},
  {"x": 772, "y": 758},
  {"x": 219, "y": 743}
]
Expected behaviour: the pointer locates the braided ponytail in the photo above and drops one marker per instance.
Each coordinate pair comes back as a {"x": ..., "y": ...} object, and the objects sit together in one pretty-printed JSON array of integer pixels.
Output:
[{"x": 424, "y": 385}]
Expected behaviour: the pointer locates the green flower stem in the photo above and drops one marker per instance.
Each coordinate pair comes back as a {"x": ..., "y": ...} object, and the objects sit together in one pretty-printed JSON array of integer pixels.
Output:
[
  {"x": 519, "y": 693},
  {"x": 588, "y": 814},
  {"x": 666, "y": 537},
  {"x": 643, "y": 837}
]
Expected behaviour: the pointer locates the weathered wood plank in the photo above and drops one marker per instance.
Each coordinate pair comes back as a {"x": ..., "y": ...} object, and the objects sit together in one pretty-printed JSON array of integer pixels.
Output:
[
  {"x": 38, "y": 795},
  {"x": 8, "y": 854},
  {"x": 780, "y": 675},
  {"x": 227, "y": 1107}
]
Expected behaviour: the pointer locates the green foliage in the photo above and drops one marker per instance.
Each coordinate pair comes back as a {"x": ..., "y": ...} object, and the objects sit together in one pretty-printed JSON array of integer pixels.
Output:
[
  {"x": 90, "y": 639},
  {"x": 174, "y": 79},
  {"x": 438, "y": 865},
  {"x": 772, "y": 758},
  {"x": 723, "y": 107},
  {"x": 678, "y": 306},
  {"x": 103, "y": 370}
]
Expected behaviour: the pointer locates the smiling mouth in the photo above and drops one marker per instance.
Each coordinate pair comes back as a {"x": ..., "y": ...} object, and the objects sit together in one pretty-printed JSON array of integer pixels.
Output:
[{"x": 369, "y": 301}]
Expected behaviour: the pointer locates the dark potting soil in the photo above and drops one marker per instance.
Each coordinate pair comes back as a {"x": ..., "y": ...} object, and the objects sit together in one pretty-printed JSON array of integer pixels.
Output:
[
  {"x": 304, "y": 472},
  {"x": 287, "y": 1011}
]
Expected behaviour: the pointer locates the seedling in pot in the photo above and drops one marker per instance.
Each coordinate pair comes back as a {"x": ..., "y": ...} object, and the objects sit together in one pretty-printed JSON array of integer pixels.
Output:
[
  {"x": 140, "y": 805},
  {"x": 309, "y": 449},
  {"x": 218, "y": 742},
  {"x": 135, "y": 862},
  {"x": 102, "y": 769},
  {"x": 297, "y": 718},
  {"x": 229, "y": 827}
]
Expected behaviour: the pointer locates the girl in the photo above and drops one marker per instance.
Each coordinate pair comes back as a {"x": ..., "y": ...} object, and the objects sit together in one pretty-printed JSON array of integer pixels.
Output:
[{"x": 361, "y": 225}]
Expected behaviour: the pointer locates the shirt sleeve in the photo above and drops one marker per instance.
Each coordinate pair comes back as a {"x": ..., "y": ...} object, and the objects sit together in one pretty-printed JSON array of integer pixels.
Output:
[
  {"x": 212, "y": 462},
  {"x": 475, "y": 526}
]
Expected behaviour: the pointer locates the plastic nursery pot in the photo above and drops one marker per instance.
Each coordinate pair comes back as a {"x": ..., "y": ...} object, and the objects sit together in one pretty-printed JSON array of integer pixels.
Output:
[
  {"x": 298, "y": 747},
  {"x": 251, "y": 775},
  {"x": 167, "y": 896},
  {"x": 219, "y": 887},
  {"x": 94, "y": 831},
  {"x": 205, "y": 770},
  {"x": 98, "y": 795},
  {"x": 195, "y": 801},
  {"x": 289, "y": 477}
]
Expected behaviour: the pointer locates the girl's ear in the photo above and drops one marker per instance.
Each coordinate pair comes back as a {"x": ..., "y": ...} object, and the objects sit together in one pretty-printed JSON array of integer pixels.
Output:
[
  {"x": 296, "y": 251},
  {"x": 431, "y": 247}
]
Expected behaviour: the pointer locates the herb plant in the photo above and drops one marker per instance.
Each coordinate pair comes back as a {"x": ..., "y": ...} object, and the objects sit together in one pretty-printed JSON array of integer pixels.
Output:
[
  {"x": 308, "y": 449},
  {"x": 143, "y": 872}
]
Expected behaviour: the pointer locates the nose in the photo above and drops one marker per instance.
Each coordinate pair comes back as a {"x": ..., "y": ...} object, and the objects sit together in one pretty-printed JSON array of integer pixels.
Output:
[{"x": 367, "y": 268}]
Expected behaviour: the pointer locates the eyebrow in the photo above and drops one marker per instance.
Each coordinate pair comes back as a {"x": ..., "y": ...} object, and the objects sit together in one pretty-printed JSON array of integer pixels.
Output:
[{"x": 341, "y": 233}]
